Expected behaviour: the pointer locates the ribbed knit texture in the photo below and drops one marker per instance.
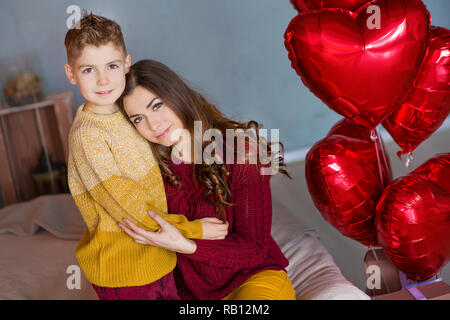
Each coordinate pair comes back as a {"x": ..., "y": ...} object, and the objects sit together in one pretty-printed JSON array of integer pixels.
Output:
[
  {"x": 112, "y": 175},
  {"x": 219, "y": 266}
]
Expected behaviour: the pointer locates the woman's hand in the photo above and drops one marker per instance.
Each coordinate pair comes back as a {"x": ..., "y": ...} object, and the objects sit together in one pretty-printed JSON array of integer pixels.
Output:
[
  {"x": 214, "y": 229},
  {"x": 167, "y": 236}
]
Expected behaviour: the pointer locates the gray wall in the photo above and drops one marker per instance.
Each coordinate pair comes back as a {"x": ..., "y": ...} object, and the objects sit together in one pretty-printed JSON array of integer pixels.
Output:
[{"x": 231, "y": 50}]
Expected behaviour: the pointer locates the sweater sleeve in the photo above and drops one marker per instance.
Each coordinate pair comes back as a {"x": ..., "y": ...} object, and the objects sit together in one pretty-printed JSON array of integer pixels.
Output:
[
  {"x": 246, "y": 244},
  {"x": 120, "y": 196}
]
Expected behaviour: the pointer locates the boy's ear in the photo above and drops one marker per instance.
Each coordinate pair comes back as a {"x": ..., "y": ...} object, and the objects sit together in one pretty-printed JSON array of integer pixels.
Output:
[
  {"x": 127, "y": 63},
  {"x": 69, "y": 74}
]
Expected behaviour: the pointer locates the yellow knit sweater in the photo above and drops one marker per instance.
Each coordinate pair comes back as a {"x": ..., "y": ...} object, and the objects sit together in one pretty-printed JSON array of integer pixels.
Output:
[{"x": 113, "y": 175}]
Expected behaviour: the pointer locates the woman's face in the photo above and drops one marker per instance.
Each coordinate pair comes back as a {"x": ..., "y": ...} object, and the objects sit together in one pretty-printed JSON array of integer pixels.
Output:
[{"x": 153, "y": 119}]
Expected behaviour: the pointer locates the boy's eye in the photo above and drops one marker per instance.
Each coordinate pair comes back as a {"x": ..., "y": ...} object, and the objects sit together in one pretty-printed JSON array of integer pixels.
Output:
[{"x": 88, "y": 70}]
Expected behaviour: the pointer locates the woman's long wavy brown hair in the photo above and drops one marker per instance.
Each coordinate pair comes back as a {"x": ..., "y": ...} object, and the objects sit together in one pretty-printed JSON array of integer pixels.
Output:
[{"x": 189, "y": 105}]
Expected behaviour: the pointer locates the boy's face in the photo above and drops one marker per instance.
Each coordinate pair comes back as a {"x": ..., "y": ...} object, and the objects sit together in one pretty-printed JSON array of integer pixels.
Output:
[{"x": 100, "y": 73}]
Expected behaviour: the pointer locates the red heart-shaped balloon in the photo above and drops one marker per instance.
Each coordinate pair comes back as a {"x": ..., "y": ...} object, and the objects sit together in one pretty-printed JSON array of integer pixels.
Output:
[
  {"x": 427, "y": 104},
  {"x": 413, "y": 219},
  {"x": 343, "y": 177},
  {"x": 302, "y": 5},
  {"x": 360, "y": 73}
]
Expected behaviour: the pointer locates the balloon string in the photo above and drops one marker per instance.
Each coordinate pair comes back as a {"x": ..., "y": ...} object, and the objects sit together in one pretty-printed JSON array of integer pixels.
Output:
[
  {"x": 408, "y": 159},
  {"x": 382, "y": 277},
  {"x": 380, "y": 144},
  {"x": 374, "y": 135}
]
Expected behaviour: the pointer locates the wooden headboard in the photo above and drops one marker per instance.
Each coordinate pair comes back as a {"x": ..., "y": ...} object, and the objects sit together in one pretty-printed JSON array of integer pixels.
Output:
[{"x": 30, "y": 133}]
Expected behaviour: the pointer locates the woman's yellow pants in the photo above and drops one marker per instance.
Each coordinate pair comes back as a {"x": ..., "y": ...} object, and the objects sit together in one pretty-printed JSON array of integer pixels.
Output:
[{"x": 265, "y": 285}]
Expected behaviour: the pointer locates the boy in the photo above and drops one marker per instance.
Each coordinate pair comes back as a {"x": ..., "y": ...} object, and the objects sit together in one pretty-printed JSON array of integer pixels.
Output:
[{"x": 113, "y": 175}]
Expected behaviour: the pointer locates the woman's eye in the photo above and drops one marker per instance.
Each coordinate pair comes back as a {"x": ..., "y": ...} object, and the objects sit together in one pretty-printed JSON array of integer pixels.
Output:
[
  {"x": 137, "y": 120},
  {"x": 113, "y": 66},
  {"x": 88, "y": 70},
  {"x": 157, "y": 106}
]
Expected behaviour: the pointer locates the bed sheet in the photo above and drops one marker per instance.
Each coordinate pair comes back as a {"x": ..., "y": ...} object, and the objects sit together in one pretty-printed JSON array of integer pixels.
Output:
[{"x": 39, "y": 238}]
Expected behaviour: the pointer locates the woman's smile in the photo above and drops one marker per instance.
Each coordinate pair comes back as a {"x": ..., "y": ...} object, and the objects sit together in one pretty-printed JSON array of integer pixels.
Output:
[{"x": 164, "y": 134}]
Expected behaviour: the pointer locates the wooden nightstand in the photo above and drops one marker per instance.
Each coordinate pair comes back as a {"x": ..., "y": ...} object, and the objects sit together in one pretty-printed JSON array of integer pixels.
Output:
[{"x": 24, "y": 132}]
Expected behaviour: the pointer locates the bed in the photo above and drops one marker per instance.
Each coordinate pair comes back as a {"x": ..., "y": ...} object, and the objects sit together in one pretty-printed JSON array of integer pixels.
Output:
[{"x": 39, "y": 238}]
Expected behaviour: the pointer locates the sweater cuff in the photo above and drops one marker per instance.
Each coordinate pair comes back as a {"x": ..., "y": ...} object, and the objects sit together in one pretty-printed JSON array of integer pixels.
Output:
[
  {"x": 202, "y": 253},
  {"x": 195, "y": 229}
]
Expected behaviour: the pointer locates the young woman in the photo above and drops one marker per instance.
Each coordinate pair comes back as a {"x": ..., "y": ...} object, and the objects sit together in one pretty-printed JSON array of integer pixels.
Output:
[{"x": 247, "y": 264}]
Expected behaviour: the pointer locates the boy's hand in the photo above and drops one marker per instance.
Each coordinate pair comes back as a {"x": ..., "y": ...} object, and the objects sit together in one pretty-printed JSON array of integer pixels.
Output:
[{"x": 214, "y": 229}]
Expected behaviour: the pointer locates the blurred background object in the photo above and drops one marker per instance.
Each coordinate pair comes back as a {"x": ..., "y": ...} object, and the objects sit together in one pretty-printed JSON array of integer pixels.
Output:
[{"x": 21, "y": 81}]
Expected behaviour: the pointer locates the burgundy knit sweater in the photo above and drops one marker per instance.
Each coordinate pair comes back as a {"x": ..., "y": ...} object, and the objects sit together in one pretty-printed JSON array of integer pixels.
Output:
[{"x": 219, "y": 266}]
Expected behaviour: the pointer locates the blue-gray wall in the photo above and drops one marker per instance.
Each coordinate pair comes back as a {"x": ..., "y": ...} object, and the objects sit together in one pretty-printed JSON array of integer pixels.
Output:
[{"x": 231, "y": 50}]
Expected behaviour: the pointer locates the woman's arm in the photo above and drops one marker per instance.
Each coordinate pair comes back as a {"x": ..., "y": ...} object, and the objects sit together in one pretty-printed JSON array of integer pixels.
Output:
[
  {"x": 167, "y": 237},
  {"x": 245, "y": 245}
]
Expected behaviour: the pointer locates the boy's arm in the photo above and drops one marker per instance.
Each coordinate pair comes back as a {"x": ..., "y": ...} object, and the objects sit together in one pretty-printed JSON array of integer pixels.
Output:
[{"x": 119, "y": 196}]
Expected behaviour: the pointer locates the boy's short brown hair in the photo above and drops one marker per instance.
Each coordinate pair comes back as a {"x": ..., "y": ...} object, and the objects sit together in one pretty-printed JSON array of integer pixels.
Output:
[{"x": 93, "y": 30}]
